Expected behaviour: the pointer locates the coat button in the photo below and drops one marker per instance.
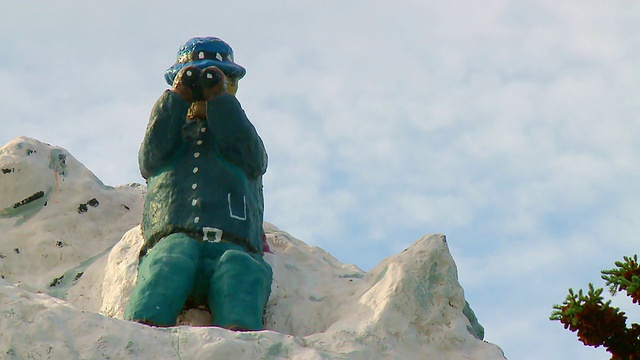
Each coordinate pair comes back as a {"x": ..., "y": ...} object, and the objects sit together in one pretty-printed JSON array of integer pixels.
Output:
[
  {"x": 199, "y": 142},
  {"x": 203, "y": 129},
  {"x": 195, "y": 169},
  {"x": 196, "y": 155},
  {"x": 194, "y": 202},
  {"x": 194, "y": 186},
  {"x": 196, "y": 220}
]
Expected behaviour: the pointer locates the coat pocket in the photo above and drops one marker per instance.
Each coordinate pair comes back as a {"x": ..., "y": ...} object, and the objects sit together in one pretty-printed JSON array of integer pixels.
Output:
[{"x": 237, "y": 206}]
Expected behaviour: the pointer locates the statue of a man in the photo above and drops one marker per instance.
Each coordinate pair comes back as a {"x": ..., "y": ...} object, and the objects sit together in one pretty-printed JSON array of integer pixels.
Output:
[{"x": 202, "y": 222}]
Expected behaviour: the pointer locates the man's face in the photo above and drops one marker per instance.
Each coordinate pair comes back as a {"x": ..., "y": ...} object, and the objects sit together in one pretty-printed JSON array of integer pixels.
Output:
[{"x": 231, "y": 85}]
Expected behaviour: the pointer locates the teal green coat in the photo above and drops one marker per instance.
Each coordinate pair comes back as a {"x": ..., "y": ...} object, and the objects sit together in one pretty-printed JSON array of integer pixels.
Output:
[{"x": 202, "y": 174}]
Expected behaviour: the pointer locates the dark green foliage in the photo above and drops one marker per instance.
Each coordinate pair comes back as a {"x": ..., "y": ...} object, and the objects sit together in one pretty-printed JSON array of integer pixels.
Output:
[
  {"x": 626, "y": 277},
  {"x": 596, "y": 322}
]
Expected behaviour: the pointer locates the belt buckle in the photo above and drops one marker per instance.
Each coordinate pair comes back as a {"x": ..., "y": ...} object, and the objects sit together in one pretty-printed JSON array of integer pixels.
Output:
[{"x": 209, "y": 231}]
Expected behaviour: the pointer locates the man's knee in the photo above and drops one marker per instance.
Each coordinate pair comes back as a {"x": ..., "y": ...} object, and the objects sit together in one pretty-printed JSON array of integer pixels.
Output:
[
  {"x": 177, "y": 243},
  {"x": 243, "y": 262},
  {"x": 166, "y": 277},
  {"x": 239, "y": 290},
  {"x": 175, "y": 250}
]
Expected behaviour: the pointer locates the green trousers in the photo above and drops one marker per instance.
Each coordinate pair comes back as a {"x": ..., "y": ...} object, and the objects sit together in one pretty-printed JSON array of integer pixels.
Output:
[{"x": 179, "y": 270}]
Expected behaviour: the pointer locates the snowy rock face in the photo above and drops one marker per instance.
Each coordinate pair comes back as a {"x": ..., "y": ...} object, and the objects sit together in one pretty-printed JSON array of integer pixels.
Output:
[
  {"x": 55, "y": 215},
  {"x": 410, "y": 306}
]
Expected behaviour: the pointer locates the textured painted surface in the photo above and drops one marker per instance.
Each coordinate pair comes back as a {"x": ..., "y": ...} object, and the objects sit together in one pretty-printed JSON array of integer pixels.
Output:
[
  {"x": 233, "y": 284},
  {"x": 40, "y": 198},
  {"x": 319, "y": 307},
  {"x": 204, "y": 52},
  {"x": 202, "y": 222},
  {"x": 319, "y": 311},
  {"x": 205, "y": 173}
]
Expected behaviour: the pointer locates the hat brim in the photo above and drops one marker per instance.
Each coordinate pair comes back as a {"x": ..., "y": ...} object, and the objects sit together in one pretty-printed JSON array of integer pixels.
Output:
[{"x": 228, "y": 68}]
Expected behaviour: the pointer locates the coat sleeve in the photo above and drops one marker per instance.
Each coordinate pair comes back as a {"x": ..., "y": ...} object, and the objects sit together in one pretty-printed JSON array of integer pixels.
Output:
[
  {"x": 235, "y": 136},
  {"x": 163, "y": 133}
]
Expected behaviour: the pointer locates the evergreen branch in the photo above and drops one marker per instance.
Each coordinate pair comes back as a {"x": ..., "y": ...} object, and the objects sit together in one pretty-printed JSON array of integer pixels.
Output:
[
  {"x": 596, "y": 322},
  {"x": 625, "y": 277}
]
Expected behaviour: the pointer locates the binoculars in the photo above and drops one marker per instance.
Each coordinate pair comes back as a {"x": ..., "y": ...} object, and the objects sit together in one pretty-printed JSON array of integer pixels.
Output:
[{"x": 198, "y": 80}]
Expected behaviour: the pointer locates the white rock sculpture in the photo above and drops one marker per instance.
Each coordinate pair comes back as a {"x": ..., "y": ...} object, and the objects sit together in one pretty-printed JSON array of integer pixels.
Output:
[{"x": 409, "y": 306}]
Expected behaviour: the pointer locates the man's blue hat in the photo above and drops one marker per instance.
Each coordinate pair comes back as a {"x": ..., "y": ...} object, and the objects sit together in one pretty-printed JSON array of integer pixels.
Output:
[{"x": 204, "y": 52}]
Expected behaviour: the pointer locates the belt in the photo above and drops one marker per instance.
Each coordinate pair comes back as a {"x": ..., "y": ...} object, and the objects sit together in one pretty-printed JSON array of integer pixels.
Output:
[{"x": 214, "y": 235}]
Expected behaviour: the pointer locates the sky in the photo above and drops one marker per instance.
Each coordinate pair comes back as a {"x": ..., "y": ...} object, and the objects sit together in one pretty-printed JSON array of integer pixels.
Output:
[{"x": 509, "y": 126}]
